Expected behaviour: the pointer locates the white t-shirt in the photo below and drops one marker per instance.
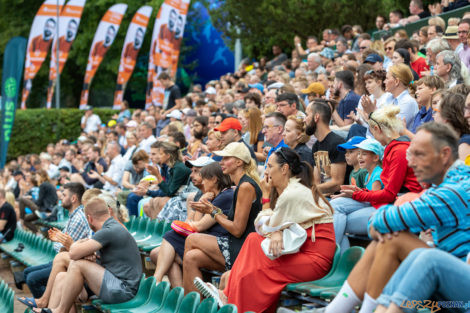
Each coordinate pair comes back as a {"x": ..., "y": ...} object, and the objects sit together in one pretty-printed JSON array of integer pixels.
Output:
[
  {"x": 146, "y": 143},
  {"x": 92, "y": 123},
  {"x": 115, "y": 172}
]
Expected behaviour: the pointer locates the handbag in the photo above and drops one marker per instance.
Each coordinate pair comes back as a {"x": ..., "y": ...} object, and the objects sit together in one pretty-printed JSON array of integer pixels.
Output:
[
  {"x": 182, "y": 228},
  {"x": 293, "y": 237}
]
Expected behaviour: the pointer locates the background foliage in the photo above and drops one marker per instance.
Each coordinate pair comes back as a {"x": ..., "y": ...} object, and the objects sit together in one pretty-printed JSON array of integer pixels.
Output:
[
  {"x": 265, "y": 22},
  {"x": 35, "y": 128}
]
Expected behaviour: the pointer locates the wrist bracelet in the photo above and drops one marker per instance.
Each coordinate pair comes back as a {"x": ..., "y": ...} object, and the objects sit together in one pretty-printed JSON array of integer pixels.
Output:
[{"x": 265, "y": 200}]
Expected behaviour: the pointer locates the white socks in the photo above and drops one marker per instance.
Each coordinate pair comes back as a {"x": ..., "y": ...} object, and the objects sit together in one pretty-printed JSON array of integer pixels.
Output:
[
  {"x": 345, "y": 301},
  {"x": 368, "y": 305}
]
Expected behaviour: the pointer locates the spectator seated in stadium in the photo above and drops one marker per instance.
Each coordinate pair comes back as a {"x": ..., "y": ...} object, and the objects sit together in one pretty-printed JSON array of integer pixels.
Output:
[
  {"x": 256, "y": 281},
  {"x": 134, "y": 171},
  {"x": 46, "y": 201},
  {"x": 219, "y": 253},
  {"x": 169, "y": 256},
  {"x": 107, "y": 265},
  {"x": 433, "y": 156},
  {"x": 353, "y": 209},
  {"x": 7, "y": 218},
  {"x": 295, "y": 137}
]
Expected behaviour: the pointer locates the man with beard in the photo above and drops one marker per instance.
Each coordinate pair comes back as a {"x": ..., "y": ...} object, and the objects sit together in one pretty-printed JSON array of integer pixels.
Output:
[
  {"x": 77, "y": 228},
  {"x": 330, "y": 164},
  {"x": 344, "y": 90}
]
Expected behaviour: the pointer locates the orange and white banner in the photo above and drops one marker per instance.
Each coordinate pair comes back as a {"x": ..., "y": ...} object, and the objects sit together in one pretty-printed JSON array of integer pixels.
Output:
[
  {"x": 42, "y": 32},
  {"x": 104, "y": 38},
  {"x": 165, "y": 47},
  {"x": 69, "y": 20},
  {"x": 132, "y": 44}
]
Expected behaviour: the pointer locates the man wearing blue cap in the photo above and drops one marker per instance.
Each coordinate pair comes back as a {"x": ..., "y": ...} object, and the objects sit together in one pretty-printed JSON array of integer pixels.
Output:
[{"x": 375, "y": 60}]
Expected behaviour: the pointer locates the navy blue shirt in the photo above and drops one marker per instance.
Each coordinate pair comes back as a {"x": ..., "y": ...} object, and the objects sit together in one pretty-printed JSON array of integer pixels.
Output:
[
  {"x": 422, "y": 117},
  {"x": 348, "y": 104}
]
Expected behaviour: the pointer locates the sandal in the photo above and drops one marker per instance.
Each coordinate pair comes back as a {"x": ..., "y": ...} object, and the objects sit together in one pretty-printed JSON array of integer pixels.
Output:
[
  {"x": 28, "y": 301},
  {"x": 208, "y": 290}
]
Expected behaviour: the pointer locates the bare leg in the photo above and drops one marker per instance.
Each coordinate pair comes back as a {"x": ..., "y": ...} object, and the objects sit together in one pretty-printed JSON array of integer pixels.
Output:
[
  {"x": 393, "y": 308},
  {"x": 224, "y": 280},
  {"x": 175, "y": 275},
  {"x": 156, "y": 205},
  {"x": 358, "y": 277},
  {"x": 60, "y": 264},
  {"x": 79, "y": 272},
  {"x": 201, "y": 251},
  {"x": 166, "y": 257},
  {"x": 392, "y": 252},
  {"x": 57, "y": 290},
  {"x": 380, "y": 309}
]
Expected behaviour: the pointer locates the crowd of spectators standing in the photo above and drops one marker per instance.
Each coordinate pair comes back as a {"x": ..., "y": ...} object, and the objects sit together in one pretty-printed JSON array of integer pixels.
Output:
[{"x": 348, "y": 135}]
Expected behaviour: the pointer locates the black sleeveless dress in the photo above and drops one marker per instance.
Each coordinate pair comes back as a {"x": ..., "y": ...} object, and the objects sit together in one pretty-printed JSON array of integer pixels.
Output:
[{"x": 230, "y": 245}]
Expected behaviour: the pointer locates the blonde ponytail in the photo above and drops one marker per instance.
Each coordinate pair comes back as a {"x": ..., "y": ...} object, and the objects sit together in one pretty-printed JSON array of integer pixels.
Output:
[
  {"x": 251, "y": 170},
  {"x": 386, "y": 118}
]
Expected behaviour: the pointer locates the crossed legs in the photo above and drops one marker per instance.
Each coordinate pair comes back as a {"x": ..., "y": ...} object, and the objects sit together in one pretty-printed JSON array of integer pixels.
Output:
[{"x": 168, "y": 263}]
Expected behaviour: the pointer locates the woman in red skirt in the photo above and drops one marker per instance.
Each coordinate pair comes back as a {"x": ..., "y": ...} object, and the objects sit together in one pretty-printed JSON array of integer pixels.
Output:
[{"x": 256, "y": 281}]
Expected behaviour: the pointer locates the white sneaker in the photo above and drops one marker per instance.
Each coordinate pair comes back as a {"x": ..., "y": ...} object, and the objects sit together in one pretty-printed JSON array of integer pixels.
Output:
[{"x": 208, "y": 290}]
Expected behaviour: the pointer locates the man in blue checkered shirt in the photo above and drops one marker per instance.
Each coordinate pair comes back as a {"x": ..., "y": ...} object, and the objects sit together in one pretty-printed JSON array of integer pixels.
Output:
[{"x": 77, "y": 228}]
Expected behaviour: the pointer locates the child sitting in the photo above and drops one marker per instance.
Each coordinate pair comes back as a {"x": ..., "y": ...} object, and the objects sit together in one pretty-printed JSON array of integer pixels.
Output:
[
  {"x": 358, "y": 175},
  {"x": 369, "y": 158}
]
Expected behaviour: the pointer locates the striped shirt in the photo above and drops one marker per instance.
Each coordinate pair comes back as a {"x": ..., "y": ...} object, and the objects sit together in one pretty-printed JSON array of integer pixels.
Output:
[
  {"x": 443, "y": 208},
  {"x": 77, "y": 227}
]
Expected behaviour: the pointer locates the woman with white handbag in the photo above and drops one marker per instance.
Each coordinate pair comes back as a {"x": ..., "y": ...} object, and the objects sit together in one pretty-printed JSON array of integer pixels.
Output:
[{"x": 294, "y": 241}]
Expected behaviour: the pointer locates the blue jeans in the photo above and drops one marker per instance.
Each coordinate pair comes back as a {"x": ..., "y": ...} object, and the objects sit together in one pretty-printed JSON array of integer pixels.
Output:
[
  {"x": 132, "y": 203},
  {"x": 350, "y": 216},
  {"x": 429, "y": 274},
  {"x": 36, "y": 278}
]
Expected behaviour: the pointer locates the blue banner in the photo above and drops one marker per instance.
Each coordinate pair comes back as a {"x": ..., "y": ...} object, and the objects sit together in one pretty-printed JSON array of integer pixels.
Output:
[{"x": 13, "y": 61}]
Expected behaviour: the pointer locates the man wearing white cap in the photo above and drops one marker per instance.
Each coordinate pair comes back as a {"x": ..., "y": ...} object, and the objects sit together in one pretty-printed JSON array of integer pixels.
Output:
[{"x": 175, "y": 115}]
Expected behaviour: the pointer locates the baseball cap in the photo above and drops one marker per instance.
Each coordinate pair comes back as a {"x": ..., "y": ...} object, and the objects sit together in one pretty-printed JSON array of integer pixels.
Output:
[
  {"x": 257, "y": 86},
  {"x": 229, "y": 123},
  {"x": 373, "y": 58},
  {"x": 316, "y": 87},
  {"x": 18, "y": 172},
  {"x": 327, "y": 53},
  {"x": 64, "y": 168},
  {"x": 199, "y": 162},
  {"x": 276, "y": 85},
  {"x": 175, "y": 114},
  {"x": 237, "y": 150},
  {"x": 451, "y": 32},
  {"x": 211, "y": 91},
  {"x": 372, "y": 145},
  {"x": 131, "y": 124},
  {"x": 351, "y": 143}
]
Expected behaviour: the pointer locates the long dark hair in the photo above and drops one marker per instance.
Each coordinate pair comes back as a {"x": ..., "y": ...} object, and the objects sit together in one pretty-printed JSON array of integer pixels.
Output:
[
  {"x": 299, "y": 169},
  {"x": 452, "y": 109},
  {"x": 214, "y": 170}
]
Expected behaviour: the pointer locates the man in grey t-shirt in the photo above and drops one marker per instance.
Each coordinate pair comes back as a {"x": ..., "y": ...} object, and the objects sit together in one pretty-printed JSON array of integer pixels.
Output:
[{"x": 107, "y": 265}]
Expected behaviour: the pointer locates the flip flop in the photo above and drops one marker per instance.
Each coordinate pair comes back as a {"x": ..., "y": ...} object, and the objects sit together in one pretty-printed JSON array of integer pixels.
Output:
[
  {"x": 28, "y": 301},
  {"x": 46, "y": 310}
]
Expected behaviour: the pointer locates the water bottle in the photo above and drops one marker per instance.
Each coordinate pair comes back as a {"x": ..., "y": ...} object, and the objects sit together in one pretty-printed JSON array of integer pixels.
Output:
[
  {"x": 60, "y": 211},
  {"x": 432, "y": 70}
]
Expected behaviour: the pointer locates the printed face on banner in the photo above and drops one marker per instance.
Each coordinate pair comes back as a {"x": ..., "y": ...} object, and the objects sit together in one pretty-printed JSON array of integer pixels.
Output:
[
  {"x": 49, "y": 29},
  {"x": 139, "y": 38},
  {"x": 72, "y": 28},
  {"x": 110, "y": 33}
]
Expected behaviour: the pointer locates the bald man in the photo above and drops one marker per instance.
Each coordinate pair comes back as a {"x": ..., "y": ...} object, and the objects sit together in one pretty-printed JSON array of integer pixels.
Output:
[{"x": 107, "y": 265}]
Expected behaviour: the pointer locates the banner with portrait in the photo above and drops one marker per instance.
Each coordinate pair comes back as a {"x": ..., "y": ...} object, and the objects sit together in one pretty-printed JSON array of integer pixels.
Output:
[
  {"x": 42, "y": 32},
  {"x": 132, "y": 44},
  {"x": 165, "y": 47},
  {"x": 104, "y": 38},
  {"x": 69, "y": 20},
  {"x": 13, "y": 61}
]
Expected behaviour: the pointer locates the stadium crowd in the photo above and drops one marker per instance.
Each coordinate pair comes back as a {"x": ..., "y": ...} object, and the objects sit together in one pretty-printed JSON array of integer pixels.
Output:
[{"x": 348, "y": 136}]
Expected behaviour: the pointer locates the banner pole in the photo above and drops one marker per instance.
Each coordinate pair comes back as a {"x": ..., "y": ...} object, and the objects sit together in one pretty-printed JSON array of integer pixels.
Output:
[{"x": 57, "y": 91}]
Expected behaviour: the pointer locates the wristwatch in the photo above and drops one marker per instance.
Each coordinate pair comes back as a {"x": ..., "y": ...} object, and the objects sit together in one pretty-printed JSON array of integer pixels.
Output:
[{"x": 216, "y": 211}]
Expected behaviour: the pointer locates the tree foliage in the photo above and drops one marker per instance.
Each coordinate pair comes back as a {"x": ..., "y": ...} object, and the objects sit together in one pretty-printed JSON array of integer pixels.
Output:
[
  {"x": 266, "y": 22},
  {"x": 16, "y": 18}
]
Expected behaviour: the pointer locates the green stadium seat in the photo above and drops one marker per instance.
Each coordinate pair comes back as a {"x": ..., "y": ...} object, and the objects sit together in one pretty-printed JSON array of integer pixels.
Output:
[
  {"x": 208, "y": 305},
  {"x": 156, "y": 239},
  {"x": 141, "y": 231},
  {"x": 336, "y": 258},
  {"x": 158, "y": 296},
  {"x": 228, "y": 308},
  {"x": 334, "y": 280},
  {"x": 171, "y": 303},
  {"x": 128, "y": 224},
  {"x": 6, "y": 298},
  {"x": 148, "y": 232},
  {"x": 190, "y": 303}
]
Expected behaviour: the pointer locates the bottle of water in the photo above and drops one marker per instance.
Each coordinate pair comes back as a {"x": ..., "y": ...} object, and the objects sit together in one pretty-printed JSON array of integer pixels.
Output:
[{"x": 60, "y": 211}]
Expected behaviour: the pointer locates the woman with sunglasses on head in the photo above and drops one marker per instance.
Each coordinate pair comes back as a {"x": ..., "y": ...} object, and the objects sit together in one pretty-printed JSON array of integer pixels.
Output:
[
  {"x": 219, "y": 253},
  {"x": 353, "y": 209},
  {"x": 256, "y": 281}
]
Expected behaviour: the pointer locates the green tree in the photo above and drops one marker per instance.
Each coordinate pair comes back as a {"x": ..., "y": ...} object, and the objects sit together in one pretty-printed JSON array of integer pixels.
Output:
[{"x": 267, "y": 22}]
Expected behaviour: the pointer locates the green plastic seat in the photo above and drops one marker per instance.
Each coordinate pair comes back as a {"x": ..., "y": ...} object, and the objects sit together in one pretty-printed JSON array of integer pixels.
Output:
[
  {"x": 208, "y": 305},
  {"x": 138, "y": 226},
  {"x": 171, "y": 303},
  {"x": 139, "y": 299},
  {"x": 148, "y": 232},
  {"x": 190, "y": 303},
  {"x": 228, "y": 308},
  {"x": 335, "y": 279},
  {"x": 155, "y": 240},
  {"x": 128, "y": 224},
  {"x": 156, "y": 300}
]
